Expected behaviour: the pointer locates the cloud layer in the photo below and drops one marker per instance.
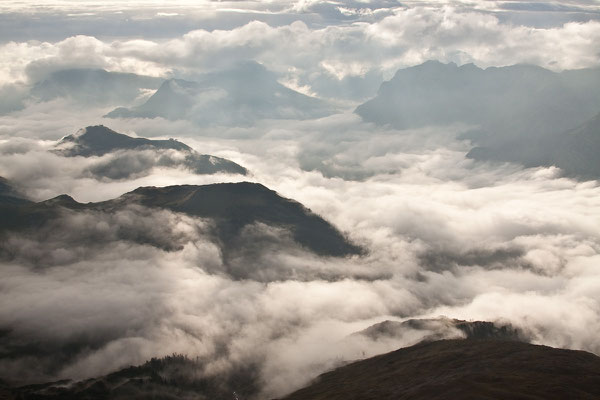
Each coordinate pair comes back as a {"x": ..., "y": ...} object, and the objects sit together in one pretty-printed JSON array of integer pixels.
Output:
[
  {"x": 446, "y": 236},
  {"x": 349, "y": 59},
  {"x": 97, "y": 291}
]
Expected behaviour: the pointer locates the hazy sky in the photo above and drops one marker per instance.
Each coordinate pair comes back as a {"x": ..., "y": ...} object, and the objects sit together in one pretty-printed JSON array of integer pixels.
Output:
[{"x": 315, "y": 46}]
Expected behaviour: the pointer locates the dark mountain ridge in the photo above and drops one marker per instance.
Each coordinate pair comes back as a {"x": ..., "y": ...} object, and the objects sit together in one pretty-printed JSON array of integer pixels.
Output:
[
  {"x": 463, "y": 369},
  {"x": 444, "y": 328},
  {"x": 171, "y": 377},
  {"x": 235, "y": 205},
  {"x": 445, "y": 369},
  {"x": 9, "y": 195},
  {"x": 232, "y": 206},
  {"x": 242, "y": 232},
  {"x": 99, "y": 140}
]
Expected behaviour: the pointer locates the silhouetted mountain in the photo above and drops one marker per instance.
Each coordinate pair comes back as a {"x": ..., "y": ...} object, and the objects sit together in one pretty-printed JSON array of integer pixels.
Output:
[
  {"x": 231, "y": 206},
  {"x": 8, "y": 194},
  {"x": 236, "y": 205},
  {"x": 463, "y": 369},
  {"x": 94, "y": 86},
  {"x": 521, "y": 112},
  {"x": 172, "y": 377},
  {"x": 443, "y": 328},
  {"x": 506, "y": 101},
  {"x": 173, "y": 100},
  {"x": 237, "y": 96},
  {"x": 100, "y": 140},
  {"x": 446, "y": 369}
]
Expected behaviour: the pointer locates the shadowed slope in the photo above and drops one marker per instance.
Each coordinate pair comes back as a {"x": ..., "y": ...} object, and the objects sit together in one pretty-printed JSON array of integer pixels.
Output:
[
  {"x": 99, "y": 140},
  {"x": 235, "y": 205},
  {"x": 443, "y": 328},
  {"x": 172, "y": 377},
  {"x": 463, "y": 369},
  {"x": 8, "y": 194},
  {"x": 231, "y": 206}
]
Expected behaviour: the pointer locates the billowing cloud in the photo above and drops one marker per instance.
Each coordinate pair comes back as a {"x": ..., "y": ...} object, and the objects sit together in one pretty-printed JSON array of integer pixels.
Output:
[
  {"x": 324, "y": 60},
  {"x": 92, "y": 292},
  {"x": 445, "y": 235}
]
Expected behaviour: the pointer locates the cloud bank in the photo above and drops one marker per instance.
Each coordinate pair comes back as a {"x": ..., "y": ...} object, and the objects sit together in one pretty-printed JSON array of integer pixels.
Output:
[
  {"x": 446, "y": 235},
  {"x": 348, "y": 59}
]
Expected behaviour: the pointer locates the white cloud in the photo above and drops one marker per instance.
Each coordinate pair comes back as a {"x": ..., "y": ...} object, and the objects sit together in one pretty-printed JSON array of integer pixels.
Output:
[
  {"x": 446, "y": 235},
  {"x": 321, "y": 57}
]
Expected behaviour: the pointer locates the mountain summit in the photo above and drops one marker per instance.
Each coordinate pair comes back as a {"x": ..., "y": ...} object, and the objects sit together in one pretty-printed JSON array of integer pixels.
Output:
[
  {"x": 463, "y": 369},
  {"x": 505, "y": 102},
  {"x": 520, "y": 113},
  {"x": 236, "y": 205},
  {"x": 237, "y": 96},
  {"x": 100, "y": 140},
  {"x": 243, "y": 220}
]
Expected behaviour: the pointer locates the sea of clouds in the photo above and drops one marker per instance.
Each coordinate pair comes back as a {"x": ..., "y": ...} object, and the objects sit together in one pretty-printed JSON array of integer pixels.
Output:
[{"x": 445, "y": 235}]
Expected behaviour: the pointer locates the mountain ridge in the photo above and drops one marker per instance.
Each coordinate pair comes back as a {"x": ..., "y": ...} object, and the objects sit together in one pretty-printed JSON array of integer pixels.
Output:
[
  {"x": 239, "y": 204},
  {"x": 9, "y": 195},
  {"x": 457, "y": 369},
  {"x": 232, "y": 206},
  {"x": 99, "y": 140},
  {"x": 462, "y": 369},
  {"x": 444, "y": 328},
  {"x": 237, "y": 96},
  {"x": 520, "y": 113}
]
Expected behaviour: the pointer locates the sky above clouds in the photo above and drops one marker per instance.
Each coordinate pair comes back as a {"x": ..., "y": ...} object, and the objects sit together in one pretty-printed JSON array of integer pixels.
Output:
[{"x": 446, "y": 235}]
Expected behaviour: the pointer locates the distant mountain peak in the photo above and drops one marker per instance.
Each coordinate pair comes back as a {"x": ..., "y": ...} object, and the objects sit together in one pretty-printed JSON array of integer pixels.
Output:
[
  {"x": 239, "y": 95},
  {"x": 177, "y": 86},
  {"x": 519, "y": 113},
  {"x": 80, "y": 132},
  {"x": 61, "y": 200},
  {"x": 443, "y": 328},
  {"x": 97, "y": 140},
  {"x": 93, "y": 130}
]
